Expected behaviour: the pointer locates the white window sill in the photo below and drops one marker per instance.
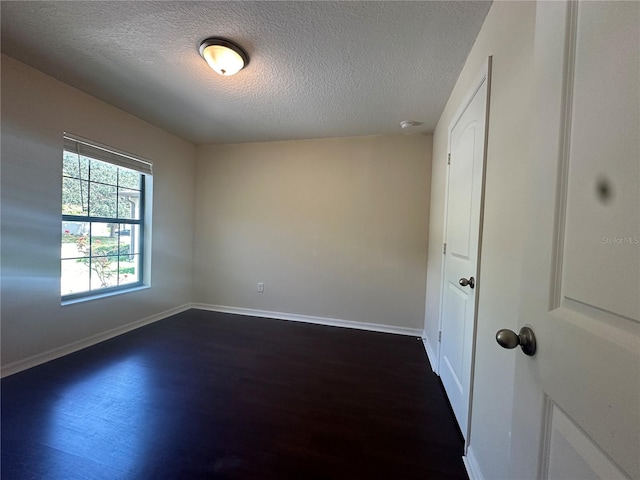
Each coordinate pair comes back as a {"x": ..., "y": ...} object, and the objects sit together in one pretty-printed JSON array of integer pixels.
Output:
[{"x": 99, "y": 296}]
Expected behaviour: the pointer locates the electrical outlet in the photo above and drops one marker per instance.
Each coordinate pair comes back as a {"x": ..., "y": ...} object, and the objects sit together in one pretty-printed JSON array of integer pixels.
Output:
[{"x": 260, "y": 287}]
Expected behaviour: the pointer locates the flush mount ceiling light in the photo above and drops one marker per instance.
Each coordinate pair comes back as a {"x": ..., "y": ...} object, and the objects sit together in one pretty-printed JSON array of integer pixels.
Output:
[
  {"x": 407, "y": 124},
  {"x": 224, "y": 56}
]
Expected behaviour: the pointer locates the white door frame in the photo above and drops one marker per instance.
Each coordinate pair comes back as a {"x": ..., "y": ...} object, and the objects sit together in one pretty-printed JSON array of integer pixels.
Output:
[{"x": 483, "y": 76}]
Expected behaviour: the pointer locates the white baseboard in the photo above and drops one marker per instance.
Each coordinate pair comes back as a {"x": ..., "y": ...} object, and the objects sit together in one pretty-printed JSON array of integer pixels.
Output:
[
  {"x": 333, "y": 322},
  {"x": 49, "y": 355},
  {"x": 431, "y": 355},
  {"x": 472, "y": 466}
]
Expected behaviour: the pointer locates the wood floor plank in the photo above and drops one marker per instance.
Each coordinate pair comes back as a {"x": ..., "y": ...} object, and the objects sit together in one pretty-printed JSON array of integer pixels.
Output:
[{"x": 212, "y": 395}]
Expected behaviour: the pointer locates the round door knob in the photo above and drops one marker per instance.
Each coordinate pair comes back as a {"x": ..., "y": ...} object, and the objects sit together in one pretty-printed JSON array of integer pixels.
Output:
[
  {"x": 526, "y": 339},
  {"x": 464, "y": 282}
]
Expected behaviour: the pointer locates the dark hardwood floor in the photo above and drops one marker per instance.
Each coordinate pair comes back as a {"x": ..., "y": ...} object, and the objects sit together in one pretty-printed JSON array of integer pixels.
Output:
[{"x": 211, "y": 395}]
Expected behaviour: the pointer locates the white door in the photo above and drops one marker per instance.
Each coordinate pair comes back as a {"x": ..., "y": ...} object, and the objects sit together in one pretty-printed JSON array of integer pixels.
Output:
[
  {"x": 577, "y": 400},
  {"x": 460, "y": 277}
]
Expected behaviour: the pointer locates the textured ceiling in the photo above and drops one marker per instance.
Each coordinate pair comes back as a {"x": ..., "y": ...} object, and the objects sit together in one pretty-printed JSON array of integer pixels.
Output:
[{"x": 317, "y": 68}]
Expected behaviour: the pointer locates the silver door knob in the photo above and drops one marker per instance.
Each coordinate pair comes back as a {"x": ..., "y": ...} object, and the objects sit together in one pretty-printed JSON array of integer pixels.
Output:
[
  {"x": 526, "y": 339},
  {"x": 464, "y": 282}
]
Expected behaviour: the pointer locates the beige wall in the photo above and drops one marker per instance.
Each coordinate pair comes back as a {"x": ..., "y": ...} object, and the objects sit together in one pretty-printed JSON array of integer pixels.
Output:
[
  {"x": 507, "y": 34},
  {"x": 334, "y": 227},
  {"x": 36, "y": 110}
]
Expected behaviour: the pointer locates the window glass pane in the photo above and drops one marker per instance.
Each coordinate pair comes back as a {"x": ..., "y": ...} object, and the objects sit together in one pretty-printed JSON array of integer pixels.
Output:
[
  {"x": 104, "y": 239},
  {"x": 102, "y": 200},
  {"x": 103, "y": 172},
  {"x": 70, "y": 166},
  {"x": 74, "y": 196},
  {"x": 74, "y": 165},
  {"x": 74, "y": 239},
  {"x": 128, "y": 203},
  {"x": 129, "y": 269},
  {"x": 130, "y": 239},
  {"x": 127, "y": 234},
  {"x": 104, "y": 272},
  {"x": 75, "y": 276},
  {"x": 129, "y": 179}
]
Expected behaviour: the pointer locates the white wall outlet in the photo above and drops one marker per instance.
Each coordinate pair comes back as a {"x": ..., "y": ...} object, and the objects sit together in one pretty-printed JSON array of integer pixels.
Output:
[{"x": 260, "y": 287}]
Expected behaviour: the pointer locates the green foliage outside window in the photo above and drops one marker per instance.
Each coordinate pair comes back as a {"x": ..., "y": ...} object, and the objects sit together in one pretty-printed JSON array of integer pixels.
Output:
[
  {"x": 102, "y": 255},
  {"x": 96, "y": 188}
]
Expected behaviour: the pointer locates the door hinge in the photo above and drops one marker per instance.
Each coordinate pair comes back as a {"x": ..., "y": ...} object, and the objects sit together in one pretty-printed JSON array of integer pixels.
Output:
[
  {"x": 449, "y": 159},
  {"x": 444, "y": 250},
  {"x": 440, "y": 336}
]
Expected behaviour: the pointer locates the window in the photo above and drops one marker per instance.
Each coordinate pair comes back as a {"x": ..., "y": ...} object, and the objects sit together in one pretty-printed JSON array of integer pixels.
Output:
[{"x": 103, "y": 219}]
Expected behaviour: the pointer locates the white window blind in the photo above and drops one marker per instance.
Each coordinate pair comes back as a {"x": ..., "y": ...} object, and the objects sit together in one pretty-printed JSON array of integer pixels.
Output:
[{"x": 88, "y": 148}]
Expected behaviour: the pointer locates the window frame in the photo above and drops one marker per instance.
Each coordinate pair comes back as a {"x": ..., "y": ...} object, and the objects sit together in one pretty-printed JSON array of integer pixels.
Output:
[{"x": 101, "y": 153}]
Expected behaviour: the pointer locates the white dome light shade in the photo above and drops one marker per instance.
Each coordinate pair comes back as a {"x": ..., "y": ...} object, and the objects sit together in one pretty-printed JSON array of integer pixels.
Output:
[{"x": 223, "y": 56}]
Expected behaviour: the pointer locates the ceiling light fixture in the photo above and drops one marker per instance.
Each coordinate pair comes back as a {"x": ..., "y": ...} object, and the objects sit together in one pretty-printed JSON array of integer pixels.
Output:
[
  {"x": 408, "y": 124},
  {"x": 224, "y": 56}
]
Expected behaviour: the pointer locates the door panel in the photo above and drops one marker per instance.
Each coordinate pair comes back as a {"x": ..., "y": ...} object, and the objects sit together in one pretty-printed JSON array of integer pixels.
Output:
[
  {"x": 581, "y": 286},
  {"x": 602, "y": 216},
  {"x": 457, "y": 306},
  {"x": 461, "y": 189},
  {"x": 572, "y": 454},
  {"x": 464, "y": 199}
]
